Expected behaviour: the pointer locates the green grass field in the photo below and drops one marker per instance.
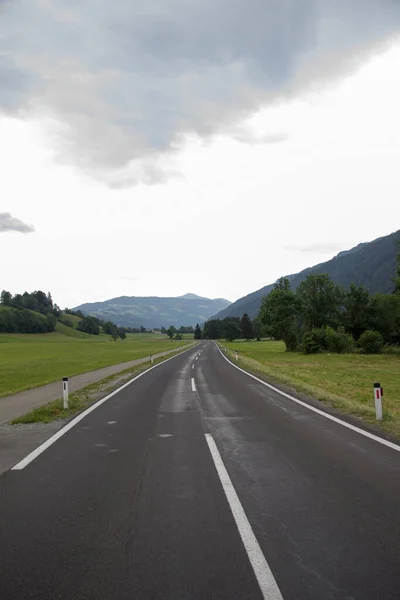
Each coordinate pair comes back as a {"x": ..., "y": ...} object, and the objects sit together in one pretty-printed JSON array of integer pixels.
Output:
[
  {"x": 71, "y": 332},
  {"x": 31, "y": 360},
  {"x": 72, "y": 319},
  {"x": 343, "y": 381}
]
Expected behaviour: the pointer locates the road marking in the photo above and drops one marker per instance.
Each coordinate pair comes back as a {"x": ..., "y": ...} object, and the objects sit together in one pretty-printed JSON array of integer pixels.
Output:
[
  {"x": 28, "y": 459},
  {"x": 192, "y": 366},
  {"x": 193, "y": 385},
  {"x": 262, "y": 571},
  {"x": 316, "y": 410}
]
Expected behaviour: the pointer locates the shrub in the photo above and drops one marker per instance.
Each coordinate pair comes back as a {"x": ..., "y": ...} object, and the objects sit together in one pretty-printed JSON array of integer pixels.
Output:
[
  {"x": 371, "y": 342},
  {"x": 339, "y": 341},
  {"x": 314, "y": 341}
]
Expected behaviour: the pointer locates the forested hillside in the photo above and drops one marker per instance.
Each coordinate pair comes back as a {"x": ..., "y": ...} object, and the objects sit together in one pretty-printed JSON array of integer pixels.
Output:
[
  {"x": 320, "y": 316},
  {"x": 369, "y": 264},
  {"x": 35, "y": 312}
]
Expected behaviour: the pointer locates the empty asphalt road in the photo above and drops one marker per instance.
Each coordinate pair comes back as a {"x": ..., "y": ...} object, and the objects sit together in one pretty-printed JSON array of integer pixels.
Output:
[{"x": 196, "y": 482}]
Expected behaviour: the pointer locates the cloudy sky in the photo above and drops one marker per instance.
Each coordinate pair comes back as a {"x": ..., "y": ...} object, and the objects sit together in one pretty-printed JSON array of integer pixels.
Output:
[{"x": 164, "y": 146}]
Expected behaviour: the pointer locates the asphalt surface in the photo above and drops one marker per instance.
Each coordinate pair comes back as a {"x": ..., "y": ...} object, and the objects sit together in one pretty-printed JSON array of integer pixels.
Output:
[
  {"x": 128, "y": 504},
  {"x": 19, "y": 404}
]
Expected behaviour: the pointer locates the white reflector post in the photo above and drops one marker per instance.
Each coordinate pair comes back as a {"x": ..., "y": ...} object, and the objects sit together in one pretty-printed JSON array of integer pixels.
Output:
[
  {"x": 65, "y": 393},
  {"x": 378, "y": 401}
]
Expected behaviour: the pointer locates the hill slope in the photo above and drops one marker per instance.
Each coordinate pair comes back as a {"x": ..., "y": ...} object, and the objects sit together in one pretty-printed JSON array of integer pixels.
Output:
[
  {"x": 371, "y": 264},
  {"x": 149, "y": 312}
]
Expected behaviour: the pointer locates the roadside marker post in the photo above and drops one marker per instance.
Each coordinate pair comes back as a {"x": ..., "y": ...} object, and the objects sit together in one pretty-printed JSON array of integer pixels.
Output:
[
  {"x": 378, "y": 393},
  {"x": 237, "y": 355},
  {"x": 65, "y": 393},
  {"x": 151, "y": 359}
]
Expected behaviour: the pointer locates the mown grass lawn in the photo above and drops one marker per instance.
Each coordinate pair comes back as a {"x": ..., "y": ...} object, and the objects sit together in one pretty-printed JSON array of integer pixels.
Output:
[
  {"x": 31, "y": 360},
  {"x": 343, "y": 381}
]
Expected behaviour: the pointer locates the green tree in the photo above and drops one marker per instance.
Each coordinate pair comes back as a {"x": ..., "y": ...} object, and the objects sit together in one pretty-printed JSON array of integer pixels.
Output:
[
  {"x": 110, "y": 329},
  {"x": 50, "y": 322},
  {"x": 232, "y": 329},
  {"x": 170, "y": 332},
  {"x": 357, "y": 317},
  {"x": 213, "y": 330},
  {"x": 89, "y": 325},
  {"x": 18, "y": 301},
  {"x": 246, "y": 327},
  {"x": 257, "y": 328},
  {"x": 197, "y": 332},
  {"x": 279, "y": 312},
  {"x": 319, "y": 301},
  {"x": 386, "y": 316},
  {"x": 5, "y": 298}
]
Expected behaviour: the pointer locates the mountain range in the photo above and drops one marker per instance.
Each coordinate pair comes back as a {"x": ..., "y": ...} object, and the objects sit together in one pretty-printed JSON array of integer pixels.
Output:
[
  {"x": 152, "y": 311},
  {"x": 371, "y": 264}
]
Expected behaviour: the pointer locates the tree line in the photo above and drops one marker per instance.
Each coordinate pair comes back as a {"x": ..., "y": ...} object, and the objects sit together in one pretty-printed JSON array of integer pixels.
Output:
[
  {"x": 320, "y": 316},
  {"x": 232, "y": 328},
  {"x": 35, "y": 312},
  {"x": 32, "y": 312}
]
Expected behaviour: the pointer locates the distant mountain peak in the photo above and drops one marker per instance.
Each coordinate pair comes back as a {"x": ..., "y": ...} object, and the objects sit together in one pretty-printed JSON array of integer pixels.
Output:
[
  {"x": 153, "y": 311},
  {"x": 191, "y": 297},
  {"x": 196, "y": 297}
]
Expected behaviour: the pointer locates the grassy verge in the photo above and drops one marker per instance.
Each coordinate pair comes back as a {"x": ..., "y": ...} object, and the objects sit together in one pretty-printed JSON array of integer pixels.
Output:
[
  {"x": 32, "y": 360},
  {"x": 341, "y": 381},
  {"x": 84, "y": 397}
]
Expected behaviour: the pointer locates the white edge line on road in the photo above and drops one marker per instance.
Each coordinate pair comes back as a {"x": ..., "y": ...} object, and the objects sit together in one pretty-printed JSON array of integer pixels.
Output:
[
  {"x": 193, "y": 385},
  {"x": 262, "y": 571},
  {"x": 28, "y": 459},
  {"x": 367, "y": 434}
]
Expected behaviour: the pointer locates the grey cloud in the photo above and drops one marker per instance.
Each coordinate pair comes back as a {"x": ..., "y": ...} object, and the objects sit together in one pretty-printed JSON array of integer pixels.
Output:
[
  {"x": 318, "y": 248},
  {"x": 128, "y": 80},
  {"x": 15, "y": 85},
  {"x": 10, "y": 223}
]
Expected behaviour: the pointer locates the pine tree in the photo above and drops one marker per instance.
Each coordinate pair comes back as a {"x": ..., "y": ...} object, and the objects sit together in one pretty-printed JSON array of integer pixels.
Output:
[
  {"x": 246, "y": 327},
  {"x": 197, "y": 332}
]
